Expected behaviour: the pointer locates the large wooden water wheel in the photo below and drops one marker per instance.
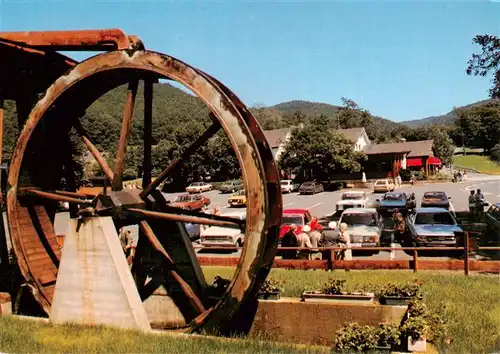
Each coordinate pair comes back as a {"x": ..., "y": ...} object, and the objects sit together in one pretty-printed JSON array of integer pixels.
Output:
[{"x": 42, "y": 172}]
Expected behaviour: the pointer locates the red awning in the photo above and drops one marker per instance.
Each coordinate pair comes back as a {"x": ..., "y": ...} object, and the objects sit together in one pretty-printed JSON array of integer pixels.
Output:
[
  {"x": 414, "y": 162},
  {"x": 433, "y": 161}
]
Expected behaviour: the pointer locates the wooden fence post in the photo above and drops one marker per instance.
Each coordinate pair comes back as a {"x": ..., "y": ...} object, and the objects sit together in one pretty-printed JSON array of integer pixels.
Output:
[
  {"x": 466, "y": 254},
  {"x": 332, "y": 259},
  {"x": 415, "y": 260}
]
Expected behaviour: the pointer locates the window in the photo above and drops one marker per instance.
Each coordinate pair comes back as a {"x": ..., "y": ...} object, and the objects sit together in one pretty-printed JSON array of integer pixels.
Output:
[
  {"x": 434, "y": 219},
  {"x": 360, "y": 219},
  {"x": 292, "y": 219}
]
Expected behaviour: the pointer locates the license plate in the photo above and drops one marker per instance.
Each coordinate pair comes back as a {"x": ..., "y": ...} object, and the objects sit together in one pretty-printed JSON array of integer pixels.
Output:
[{"x": 356, "y": 244}]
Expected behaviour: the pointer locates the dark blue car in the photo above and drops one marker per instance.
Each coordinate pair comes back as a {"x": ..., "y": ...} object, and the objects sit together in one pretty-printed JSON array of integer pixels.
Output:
[{"x": 396, "y": 200}]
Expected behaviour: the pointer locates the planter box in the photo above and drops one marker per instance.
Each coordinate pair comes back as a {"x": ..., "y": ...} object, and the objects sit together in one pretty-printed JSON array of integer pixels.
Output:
[
  {"x": 419, "y": 345},
  {"x": 343, "y": 297},
  {"x": 395, "y": 300},
  {"x": 271, "y": 295}
]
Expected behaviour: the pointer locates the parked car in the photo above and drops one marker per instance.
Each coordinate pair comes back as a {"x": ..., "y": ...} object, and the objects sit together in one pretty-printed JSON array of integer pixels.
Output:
[
  {"x": 287, "y": 186},
  {"x": 429, "y": 227},
  {"x": 238, "y": 199},
  {"x": 299, "y": 217},
  {"x": 231, "y": 186},
  {"x": 435, "y": 199},
  {"x": 364, "y": 227},
  {"x": 199, "y": 187},
  {"x": 191, "y": 201},
  {"x": 383, "y": 186},
  {"x": 391, "y": 201},
  {"x": 311, "y": 188},
  {"x": 493, "y": 222},
  {"x": 226, "y": 236},
  {"x": 352, "y": 199}
]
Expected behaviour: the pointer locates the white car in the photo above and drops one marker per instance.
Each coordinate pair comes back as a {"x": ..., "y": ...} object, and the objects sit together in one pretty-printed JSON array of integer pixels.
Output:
[
  {"x": 364, "y": 227},
  {"x": 199, "y": 187},
  {"x": 383, "y": 186},
  {"x": 287, "y": 186},
  {"x": 218, "y": 236},
  {"x": 352, "y": 199}
]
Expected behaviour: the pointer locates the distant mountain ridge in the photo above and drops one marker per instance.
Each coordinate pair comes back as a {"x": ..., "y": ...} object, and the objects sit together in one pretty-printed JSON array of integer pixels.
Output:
[{"x": 444, "y": 119}]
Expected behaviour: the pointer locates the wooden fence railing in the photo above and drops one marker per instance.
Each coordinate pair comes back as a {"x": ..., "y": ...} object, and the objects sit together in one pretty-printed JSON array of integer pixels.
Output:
[{"x": 416, "y": 263}]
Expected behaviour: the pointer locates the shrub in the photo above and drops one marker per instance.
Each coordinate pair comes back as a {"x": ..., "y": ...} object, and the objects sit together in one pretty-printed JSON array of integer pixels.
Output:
[
  {"x": 333, "y": 286},
  {"x": 405, "y": 174},
  {"x": 440, "y": 176},
  {"x": 495, "y": 153},
  {"x": 437, "y": 321},
  {"x": 355, "y": 337},
  {"x": 409, "y": 289},
  {"x": 388, "y": 334},
  {"x": 415, "y": 327},
  {"x": 271, "y": 286},
  {"x": 419, "y": 175}
]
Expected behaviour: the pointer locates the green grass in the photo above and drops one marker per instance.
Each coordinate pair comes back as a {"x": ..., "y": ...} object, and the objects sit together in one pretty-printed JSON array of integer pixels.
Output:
[
  {"x": 473, "y": 303},
  {"x": 477, "y": 162},
  {"x": 22, "y": 336}
]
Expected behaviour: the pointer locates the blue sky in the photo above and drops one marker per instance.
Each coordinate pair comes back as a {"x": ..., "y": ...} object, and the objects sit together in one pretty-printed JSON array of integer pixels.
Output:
[{"x": 399, "y": 60}]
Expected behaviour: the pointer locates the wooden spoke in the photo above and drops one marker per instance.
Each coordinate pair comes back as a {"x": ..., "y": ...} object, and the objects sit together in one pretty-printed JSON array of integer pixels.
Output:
[
  {"x": 128, "y": 113},
  {"x": 52, "y": 196},
  {"x": 1, "y": 139},
  {"x": 147, "y": 165},
  {"x": 94, "y": 151},
  {"x": 194, "y": 300},
  {"x": 184, "y": 218},
  {"x": 211, "y": 131}
]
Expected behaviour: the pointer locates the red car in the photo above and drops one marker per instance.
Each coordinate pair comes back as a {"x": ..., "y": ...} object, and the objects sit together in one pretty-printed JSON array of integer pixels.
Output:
[{"x": 299, "y": 217}]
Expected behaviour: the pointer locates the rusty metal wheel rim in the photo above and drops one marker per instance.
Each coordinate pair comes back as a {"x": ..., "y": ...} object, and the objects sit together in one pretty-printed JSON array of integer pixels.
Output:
[{"x": 261, "y": 232}]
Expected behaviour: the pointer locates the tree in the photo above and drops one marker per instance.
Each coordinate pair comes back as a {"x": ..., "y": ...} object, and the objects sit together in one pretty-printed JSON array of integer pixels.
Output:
[
  {"x": 319, "y": 147},
  {"x": 480, "y": 64},
  {"x": 468, "y": 127},
  {"x": 443, "y": 145}
]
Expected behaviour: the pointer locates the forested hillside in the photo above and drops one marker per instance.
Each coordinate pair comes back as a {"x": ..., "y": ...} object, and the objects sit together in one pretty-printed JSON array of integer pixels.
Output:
[{"x": 445, "y": 119}]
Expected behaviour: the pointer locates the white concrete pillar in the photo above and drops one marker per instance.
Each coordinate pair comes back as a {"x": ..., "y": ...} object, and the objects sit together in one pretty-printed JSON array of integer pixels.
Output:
[{"x": 94, "y": 283}]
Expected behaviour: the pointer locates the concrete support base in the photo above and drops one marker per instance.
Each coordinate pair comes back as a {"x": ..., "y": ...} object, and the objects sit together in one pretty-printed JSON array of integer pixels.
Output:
[
  {"x": 5, "y": 304},
  {"x": 94, "y": 284}
]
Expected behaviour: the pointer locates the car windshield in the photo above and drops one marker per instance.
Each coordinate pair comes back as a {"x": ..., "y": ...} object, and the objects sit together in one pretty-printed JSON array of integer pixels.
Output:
[
  {"x": 196, "y": 184},
  {"x": 434, "y": 218},
  {"x": 284, "y": 183},
  {"x": 368, "y": 219},
  {"x": 307, "y": 184},
  {"x": 241, "y": 192},
  {"x": 352, "y": 196},
  {"x": 379, "y": 183},
  {"x": 393, "y": 197},
  {"x": 435, "y": 195},
  {"x": 183, "y": 198},
  {"x": 292, "y": 219}
]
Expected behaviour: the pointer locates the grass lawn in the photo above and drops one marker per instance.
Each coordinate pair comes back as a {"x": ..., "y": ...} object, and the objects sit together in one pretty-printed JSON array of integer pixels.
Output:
[
  {"x": 473, "y": 303},
  {"x": 480, "y": 163},
  {"x": 23, "y": 336}
]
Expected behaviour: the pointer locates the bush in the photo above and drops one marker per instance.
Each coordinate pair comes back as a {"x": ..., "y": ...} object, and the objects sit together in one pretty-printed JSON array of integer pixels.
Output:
[
  {"x": 419, "y": 175},
  {"x": 355, "y": 337},
  {"x": 440, "y": 176},
  {"x": 405, "y": 174},
  {"x": 388, "y": 334},
  {"x": 333, "y": 286},
  {"x": 271, "y": 286},
  {"x": 495, "y": 153},
  {"x": 409, "y": 289},
  {"x": 415, "y": 327}
]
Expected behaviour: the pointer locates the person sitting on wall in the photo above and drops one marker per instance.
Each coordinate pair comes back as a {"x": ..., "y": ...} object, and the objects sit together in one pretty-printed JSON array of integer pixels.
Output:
[
  {"x": 472, "y": 206},
  {"x": 329, "y": 238},
  {"x": 344, "y": 240},
  {"x": 315, "y": 237}
]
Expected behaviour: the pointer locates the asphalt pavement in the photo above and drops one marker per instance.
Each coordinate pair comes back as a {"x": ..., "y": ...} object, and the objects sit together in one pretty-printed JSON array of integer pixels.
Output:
[{"x": 323, "y": 204}]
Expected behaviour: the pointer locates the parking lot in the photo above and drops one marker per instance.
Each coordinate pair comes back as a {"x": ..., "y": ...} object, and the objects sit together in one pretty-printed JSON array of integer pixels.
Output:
[{"x": 323, "y": 205}]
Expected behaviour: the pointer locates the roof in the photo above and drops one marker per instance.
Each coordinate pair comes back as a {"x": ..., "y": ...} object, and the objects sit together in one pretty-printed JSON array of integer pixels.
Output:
[
  {"x": 413, "y": 148},
  {"x": 352, "y": 133},
  {"x": 295, "y": 211},
  {"x": 276, "y": 136},
  {"x": 431, "y": 210},
  {"x": 359, "y": 210}
]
